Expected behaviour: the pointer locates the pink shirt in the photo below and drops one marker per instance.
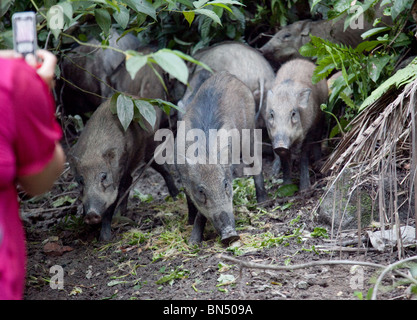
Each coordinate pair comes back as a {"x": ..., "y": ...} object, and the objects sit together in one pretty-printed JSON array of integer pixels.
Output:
[{"x": 28, "y": 132}]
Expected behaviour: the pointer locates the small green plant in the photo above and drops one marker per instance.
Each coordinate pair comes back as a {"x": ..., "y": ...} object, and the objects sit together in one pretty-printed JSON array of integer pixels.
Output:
[
  {"x": 360, "y": 296},
  {"x": 320, "y": 233},
  {"x": 244, "y": 193},
  {"x": 172, "y": 275},
  {"x": 142, "y": 197}
]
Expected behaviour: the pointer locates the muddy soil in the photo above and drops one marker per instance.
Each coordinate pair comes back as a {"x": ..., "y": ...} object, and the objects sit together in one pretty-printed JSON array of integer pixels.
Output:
[{"x": 142, "y": 262}]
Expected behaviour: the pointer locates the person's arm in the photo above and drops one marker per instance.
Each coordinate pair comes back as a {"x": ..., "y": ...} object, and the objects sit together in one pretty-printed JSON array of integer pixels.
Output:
[
  {"x": 43, "y": 181},
  {"x": 35, "y": 175}
]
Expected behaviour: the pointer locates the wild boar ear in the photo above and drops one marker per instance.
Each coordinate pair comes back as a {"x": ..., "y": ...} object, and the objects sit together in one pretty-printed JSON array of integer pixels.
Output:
[
  {"x": 303, "y": 97},
  {"x": 305, "y": 28}
]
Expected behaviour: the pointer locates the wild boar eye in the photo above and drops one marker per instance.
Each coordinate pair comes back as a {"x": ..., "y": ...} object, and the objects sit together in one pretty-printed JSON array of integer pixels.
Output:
[
  {"x": 287, "y": 36},
  {"x": 227, "y": 188},
  {"x": 201, "y": 194},
  {"x": 294, "y": 116},
  {"x": 103, "y": 176},
  {"x": 271, "y": 115}
]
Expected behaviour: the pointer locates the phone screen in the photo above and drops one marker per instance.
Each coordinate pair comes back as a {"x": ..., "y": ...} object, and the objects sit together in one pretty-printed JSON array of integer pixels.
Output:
[{"x": 24, "y": 32}]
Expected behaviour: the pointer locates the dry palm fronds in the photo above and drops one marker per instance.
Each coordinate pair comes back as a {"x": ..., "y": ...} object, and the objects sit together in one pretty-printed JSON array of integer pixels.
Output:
[
  {"x": 375, "y": 131},
  {"x": 382, "y": 139}
]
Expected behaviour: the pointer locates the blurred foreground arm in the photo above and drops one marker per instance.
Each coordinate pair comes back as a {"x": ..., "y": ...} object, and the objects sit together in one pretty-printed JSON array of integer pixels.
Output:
[{"x": 43, "y": 181}]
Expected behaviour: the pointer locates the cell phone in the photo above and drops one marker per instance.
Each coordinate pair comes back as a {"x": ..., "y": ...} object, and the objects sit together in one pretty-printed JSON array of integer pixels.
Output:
[{"x": 24, "y": 32}]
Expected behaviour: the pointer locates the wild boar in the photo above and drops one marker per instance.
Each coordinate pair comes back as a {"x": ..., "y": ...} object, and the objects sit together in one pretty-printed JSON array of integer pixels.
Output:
[
  {"x": 88, "y": 69},
  {"x": 293, "y": 116},
  {"x": 94, "y": 72},
  {"x": 285, "y": 44},
  {"x": 239, "y": 59},
  {"x": 221, "y": 103},
  {"x": 103, "y": 161}
]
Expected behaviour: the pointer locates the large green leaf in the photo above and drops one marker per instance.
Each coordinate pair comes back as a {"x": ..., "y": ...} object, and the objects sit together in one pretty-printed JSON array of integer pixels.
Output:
[
  {"x": 125, "y": 110},
  {"x": 399, "y": 6},
  {"x": 147, "y": 110},
  {"x": 103, "y": 19},
  {"x": 209, "y": 14},
  {"x": 134, "y": 64},
  {"x": 122, "y": 16},
  {"x": 171, "y": 63},
  {"x": 187, "y": 57},
  {"x": 142, "y": 6}
]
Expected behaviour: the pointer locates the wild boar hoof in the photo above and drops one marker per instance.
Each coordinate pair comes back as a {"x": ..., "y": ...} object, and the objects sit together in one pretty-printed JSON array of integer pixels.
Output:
[
  {"x": 195, "y": 239},
  {"x": 105, "y": 234},
  {"x": 227, "y": 239}
]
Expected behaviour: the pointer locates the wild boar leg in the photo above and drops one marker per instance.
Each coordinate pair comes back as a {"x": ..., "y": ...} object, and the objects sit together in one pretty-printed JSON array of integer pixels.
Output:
[
  {"x": 261, "y": 194},
  {"x": 125, "y": 183},
  {"x": 162, "y": 169},
  {"x": 276, "y": 165},
  {"x": 304, "y": 174},
  {"x": 198, "y": 229},
  {"x": 105, "y": 233},
  {"x": 192, "y": 211},
  {"x": 285, "y": 158}
]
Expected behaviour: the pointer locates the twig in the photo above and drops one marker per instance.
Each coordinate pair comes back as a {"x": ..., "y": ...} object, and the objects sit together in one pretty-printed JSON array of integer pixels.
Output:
[
  {"x": 254, "y": 265},
  {"x": 98, "y": 46},
  {"x": 386, "y": 270},
  {"x": 345, "y": 249}
]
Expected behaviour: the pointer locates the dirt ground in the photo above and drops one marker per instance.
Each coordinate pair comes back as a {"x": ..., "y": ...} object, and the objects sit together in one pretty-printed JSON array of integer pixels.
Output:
[{"x": 151, "y": 259}]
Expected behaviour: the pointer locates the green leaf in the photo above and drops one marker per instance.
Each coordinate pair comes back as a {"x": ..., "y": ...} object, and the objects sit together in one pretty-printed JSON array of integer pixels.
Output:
[
  {"x": 164, "y": 104},
  {"x": 225, "y": 279},
  {"x": 134, "y": 64},
  {"x": 231, "y": 2},
  {"x": 122, "y": 16},
  {"x": 171, "y": 63},
  {"x": 315, "y": 2},
  {"x": 103, "y": 19},
  {"x": 287, "y": 190},
  {"x": 147, "y": 110},
  {"x": 221, "y": 5},
  {"x": 113, "y": 283},
  {"x": 209, "y": 14},
  {"x": 68, "y": 11},
  {"x": 189, "y": 16},
  {"x": 4, "y": 6},
  {"x": 199, "y": 3},
  {"x": 63, "y": 200},
  {"x": 113, "y": 103},
  {"x": 401, "y": 77},
  {"x": 375, "y": 65},
  {"x": 125, "y": 110},
  {"x": 368, "y": 45},
  {"x": 308, "y": 50},
  {"x": 319, "y": 232},
  {"x": 187, "y": 57},
  {"x": 142, "y": 6},
  {"x": 374, "y": 31},
  {"x": 399, "y": 6}
]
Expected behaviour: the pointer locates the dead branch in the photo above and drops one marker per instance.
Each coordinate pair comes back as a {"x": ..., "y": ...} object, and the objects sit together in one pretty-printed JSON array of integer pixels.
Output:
[
  {"x": 390, "y": 268},
  {"x": 253, "y": 265}
]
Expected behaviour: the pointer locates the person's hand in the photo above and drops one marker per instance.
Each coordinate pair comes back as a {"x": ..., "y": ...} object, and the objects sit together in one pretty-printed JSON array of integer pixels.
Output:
[
  {"x": 9, "y": 54},
  {"x": 46, "y": 65}
]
